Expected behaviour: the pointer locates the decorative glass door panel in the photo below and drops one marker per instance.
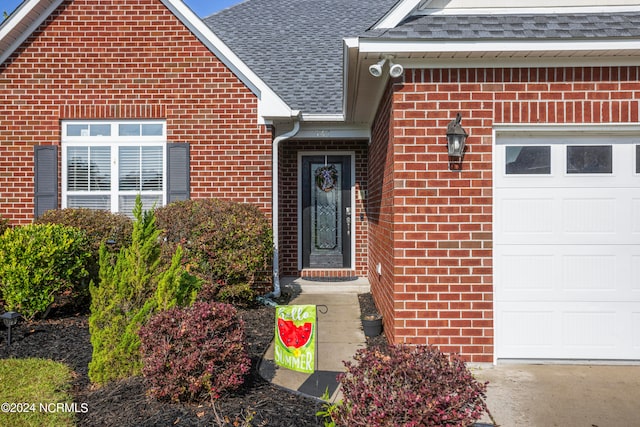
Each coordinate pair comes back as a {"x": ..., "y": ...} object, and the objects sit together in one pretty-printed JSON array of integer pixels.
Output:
[{"x": 326, "y": 204}]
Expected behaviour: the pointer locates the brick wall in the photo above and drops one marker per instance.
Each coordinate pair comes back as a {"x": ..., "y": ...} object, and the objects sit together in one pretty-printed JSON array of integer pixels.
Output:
[
  {"x": 288, "y": 195},
  {"x": 129, "y": 60},
  {"x": 381, "y": 215},
  {"x": 442, "y": 220}
]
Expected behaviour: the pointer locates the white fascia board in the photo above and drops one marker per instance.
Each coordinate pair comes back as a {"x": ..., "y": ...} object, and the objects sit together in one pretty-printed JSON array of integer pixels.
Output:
[
  {"x": 556, "y": 10},
  {"x": 413, "y": 46},
  {"x": 26, "y": 11},
  {"x": 270, "y": 105},
  {"x": 507, "y": 129},
  {"x": 401, "y": 10},
  {"x": 348, "y": 44},
  {"x": 322, "y": 117},
  {"x": 521, "y": 62},
  {"x": 333, "y": 131}
]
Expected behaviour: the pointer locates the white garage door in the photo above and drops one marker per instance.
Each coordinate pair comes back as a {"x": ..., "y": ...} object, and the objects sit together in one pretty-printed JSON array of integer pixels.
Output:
[{"x": 567, "y": 248}]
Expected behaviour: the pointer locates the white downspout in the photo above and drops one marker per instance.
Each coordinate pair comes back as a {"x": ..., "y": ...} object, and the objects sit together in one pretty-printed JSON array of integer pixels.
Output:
[{"x": 275, "y": 202}]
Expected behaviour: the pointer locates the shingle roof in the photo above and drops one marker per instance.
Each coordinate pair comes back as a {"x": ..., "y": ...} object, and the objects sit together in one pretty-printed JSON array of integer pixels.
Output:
[
  {"x": 296, "y": 46},
  {"x": 528, "y": 26}
]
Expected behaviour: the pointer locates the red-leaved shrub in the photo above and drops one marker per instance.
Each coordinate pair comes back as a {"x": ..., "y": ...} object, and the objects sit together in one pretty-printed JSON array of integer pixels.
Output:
[
  {"x": 410, "y": 387},
  {"x": 194, "y": 353}
]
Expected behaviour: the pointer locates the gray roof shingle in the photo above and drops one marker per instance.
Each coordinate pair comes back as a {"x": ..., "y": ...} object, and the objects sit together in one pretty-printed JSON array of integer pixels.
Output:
[
  {"x": 527, "y": 26},
  {"x": 296, "y": 46}
]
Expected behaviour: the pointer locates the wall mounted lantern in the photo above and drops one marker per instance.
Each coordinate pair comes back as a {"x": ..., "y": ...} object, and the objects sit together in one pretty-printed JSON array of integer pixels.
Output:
[
  {"x": 456, "y": 139},
  {"x": 10, "y": 318}
]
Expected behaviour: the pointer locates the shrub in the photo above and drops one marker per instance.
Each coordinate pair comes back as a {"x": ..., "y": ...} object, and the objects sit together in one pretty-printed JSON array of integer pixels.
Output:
[
  {"x": 4, "y": 225},
  {"x": 176, "y": 287},
  {"x": 408, "y": 386},
  {"x": 195, "y": 353},
  {"x": 225, "y": 242},
  {"x": 38, "y": 264},
  {"x": 99, "y": 226},
  {"x": 132, "y": 287},
  {"x": 239, "y": 294}
]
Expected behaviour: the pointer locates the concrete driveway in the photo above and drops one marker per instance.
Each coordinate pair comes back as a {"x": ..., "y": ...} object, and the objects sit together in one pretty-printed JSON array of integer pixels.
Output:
[{"x": 562, "y": 395}]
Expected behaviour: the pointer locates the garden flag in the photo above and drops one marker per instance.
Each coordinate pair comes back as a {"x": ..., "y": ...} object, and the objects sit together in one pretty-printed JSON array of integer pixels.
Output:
[{"x": 295, "y": 339}]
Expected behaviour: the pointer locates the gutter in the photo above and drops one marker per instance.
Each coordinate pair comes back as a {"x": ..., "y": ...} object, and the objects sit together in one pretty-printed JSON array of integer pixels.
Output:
[{"x": 267, "y": 299}]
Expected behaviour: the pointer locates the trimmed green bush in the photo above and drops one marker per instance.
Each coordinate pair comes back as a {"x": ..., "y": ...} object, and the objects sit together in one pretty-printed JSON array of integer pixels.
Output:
[
  {"x": 132, "y": 286},
  {"x": 38, "y": 264},
  {"x": 4, "y": 225},
  {"x": 194, "y": 354},
  {"x": 100, "y": 227},
  {"x": 225, "y": 243}
]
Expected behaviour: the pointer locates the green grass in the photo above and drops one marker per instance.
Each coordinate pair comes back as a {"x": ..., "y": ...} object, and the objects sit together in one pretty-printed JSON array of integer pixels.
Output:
[{"x": 37, "y": 390}]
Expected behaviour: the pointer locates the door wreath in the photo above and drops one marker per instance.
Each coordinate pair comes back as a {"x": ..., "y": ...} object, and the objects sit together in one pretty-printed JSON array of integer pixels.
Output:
[{"x": 326, "y": 177}]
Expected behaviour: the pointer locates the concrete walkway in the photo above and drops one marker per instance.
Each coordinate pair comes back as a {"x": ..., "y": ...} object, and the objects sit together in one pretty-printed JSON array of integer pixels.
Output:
[{"x": 340, "y": 335}]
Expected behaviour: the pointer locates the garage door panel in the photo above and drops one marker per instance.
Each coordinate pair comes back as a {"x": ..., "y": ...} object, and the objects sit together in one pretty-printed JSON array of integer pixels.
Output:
[
  {"x": 635, "y": 221},
  {"x": 589, "y": 330},
  {"x": 568, "y": 331},
  {"x": 586, "y": 216},
  {"x": 589, "y": 273},
  {"x": 598, "y": 217},
  {"x": 635, "y": 332},
  {"x": 571, "y": 217},
  {"x": 530, "y": 274},
  {"x": 635, "y": 276},
  {"x": 567, "y": 273},
  {"x": 525, "y": 330},
  {"x": 526, "y": 215}
]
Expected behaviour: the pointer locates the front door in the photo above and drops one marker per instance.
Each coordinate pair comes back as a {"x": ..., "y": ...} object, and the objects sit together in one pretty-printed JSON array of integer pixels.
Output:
[{"x": 327, "y": 229}]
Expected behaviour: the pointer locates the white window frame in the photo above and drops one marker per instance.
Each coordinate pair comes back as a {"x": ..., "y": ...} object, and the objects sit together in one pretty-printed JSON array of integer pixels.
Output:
[{"x": 114, "y": 141}]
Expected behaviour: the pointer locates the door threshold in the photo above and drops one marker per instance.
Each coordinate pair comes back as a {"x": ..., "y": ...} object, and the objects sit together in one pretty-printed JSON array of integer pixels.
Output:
[{"x": 327, "y": 273}]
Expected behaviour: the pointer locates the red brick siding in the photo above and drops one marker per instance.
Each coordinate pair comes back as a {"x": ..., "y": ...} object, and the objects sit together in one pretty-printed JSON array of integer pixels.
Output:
[
  {"x": 129, "y": 60},
  {"x": 288, "y": 194},
  {"x": 381, "y": 214},
  {"x": 442, "y": 220}
]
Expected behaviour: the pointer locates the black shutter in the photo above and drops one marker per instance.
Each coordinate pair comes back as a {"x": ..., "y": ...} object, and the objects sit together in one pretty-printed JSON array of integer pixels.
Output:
[
  {"x": 178, "y": 172},
  {"x": 46, "y": 178}
]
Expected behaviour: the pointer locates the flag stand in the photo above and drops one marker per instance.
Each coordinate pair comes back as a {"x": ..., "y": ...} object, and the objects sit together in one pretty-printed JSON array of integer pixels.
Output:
[{"x": 323, "y": 309}]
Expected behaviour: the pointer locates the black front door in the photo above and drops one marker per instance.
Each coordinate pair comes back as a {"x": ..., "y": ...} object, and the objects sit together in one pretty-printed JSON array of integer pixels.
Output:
[{"x": 326, "y": 212}]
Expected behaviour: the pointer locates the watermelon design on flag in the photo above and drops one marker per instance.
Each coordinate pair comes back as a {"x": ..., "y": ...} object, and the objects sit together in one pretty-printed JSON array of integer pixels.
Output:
[{"x": 294, "y": 336}]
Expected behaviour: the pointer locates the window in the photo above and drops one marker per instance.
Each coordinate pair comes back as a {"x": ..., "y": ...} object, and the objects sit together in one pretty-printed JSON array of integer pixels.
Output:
[
  {"x": 589, "y": 159},
  {"x": 107, "y": 164},
  {"x": 530, "y": 160}
]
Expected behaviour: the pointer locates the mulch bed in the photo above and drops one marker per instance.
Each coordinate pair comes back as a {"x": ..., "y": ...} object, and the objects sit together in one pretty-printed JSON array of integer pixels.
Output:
[{"x": 64, "y": 337}]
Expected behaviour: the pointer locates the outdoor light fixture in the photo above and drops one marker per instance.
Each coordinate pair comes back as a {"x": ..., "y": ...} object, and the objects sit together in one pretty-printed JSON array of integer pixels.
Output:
[
  {"x": 456, "y": 138},
  {"x": 395, "y": 70},
  {"x": 10, "y": 318},
  {"x": 376, "y": 69}
]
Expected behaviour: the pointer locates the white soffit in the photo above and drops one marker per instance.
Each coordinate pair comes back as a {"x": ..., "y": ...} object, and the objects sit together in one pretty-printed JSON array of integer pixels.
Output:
[{"x": 439, "y": 53}]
